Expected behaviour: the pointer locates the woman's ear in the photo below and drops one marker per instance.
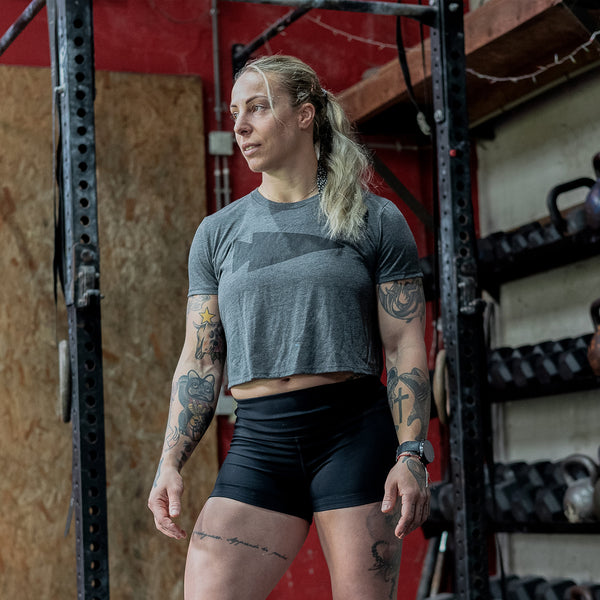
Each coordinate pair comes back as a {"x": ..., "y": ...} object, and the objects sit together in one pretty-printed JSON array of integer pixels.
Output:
[{"x": 306, "y": 115}]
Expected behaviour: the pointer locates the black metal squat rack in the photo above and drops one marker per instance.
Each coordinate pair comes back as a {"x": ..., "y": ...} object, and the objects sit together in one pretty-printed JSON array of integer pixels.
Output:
[{"x": 72, "y": 50}]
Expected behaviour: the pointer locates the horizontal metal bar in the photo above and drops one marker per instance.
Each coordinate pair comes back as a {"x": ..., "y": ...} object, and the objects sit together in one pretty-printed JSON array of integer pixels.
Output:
[
  {"x": 19, "y": 25},
  {"x": 242, "y": 53},
  {"x": 425, "y": 14}
]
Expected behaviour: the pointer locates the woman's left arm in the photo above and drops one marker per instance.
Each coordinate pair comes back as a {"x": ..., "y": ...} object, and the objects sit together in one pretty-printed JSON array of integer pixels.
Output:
[{"x": 401, "y": 313}]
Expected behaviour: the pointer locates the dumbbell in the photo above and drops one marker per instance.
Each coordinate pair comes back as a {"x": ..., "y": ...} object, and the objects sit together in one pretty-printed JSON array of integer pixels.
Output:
[
  {"x": 510, "y": 471},
  {"x": 496, "y": 585},
  {"x": 510, "y": 477},
  {"x": 522, "y": 366},
  {"x": 535, "y": 235},
  {"x": 573, "y": 362},
  {"x": 523, "y": 588},
  {"x": 549, "y": 503},
  {"x": 523, "y": 502},
  {"x": 548, "y": 499},
  {"x": 499, "y": 373},
  {"x": 545, "y": 362},
  {"x": 553, "y": 589},
  {"x": 518, "y": 240}
]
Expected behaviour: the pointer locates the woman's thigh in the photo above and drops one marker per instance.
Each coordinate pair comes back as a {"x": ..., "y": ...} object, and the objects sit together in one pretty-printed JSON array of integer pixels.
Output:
[
  {"x": 362, "y": 552},
  {"x": 240, "y": 551}
]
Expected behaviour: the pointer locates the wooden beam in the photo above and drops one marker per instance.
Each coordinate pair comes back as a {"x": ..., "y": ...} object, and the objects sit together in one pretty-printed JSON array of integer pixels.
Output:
[{"x": 503, "y": 38}]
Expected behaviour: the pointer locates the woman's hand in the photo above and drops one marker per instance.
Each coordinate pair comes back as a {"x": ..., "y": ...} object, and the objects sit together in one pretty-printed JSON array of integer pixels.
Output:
[
  {"x": 408, "y": 482},
  {"x": 165, "y": 501}
]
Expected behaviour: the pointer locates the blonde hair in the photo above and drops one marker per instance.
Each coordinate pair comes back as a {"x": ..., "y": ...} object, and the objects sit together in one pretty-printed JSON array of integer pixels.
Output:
[{"x": 345, "y": 162}]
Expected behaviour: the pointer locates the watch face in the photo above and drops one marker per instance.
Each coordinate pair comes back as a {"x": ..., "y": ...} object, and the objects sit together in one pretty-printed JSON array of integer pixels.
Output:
[{"x": 427, "y": 451}]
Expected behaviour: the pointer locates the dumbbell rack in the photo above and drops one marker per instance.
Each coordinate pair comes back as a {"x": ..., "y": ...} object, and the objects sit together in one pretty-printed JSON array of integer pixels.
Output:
[
  {"x": 506, "y": 256},
  {"x": 546, "y": 368}
]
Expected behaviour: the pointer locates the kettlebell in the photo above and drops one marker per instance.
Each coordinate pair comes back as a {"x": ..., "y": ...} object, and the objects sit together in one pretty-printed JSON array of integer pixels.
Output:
[
  {"x": 597, "y": 494},
  {"x": 594, "y": 347},
  {"x": 592, "y": 201},
  {"x": 580, "y": 473},
  {"x": 579, "y": 592},
  {"x": 577, "y": 220}
]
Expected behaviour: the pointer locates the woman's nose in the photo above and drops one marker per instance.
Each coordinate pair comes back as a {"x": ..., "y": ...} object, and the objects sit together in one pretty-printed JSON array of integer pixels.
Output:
[{"x": 241, "y": 126}]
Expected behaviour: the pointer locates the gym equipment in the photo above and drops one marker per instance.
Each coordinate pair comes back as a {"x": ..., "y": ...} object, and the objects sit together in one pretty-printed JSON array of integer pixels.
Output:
[
  {"x": 523, "y": 502},
  {"x": 573, "y": 362},
  {"x": 496, "y": 585},
  {"x": 593, "y": 353},
  {"x": 533, "y": 370},
  {"x": 583, "y": 592},
  {"x": 509, "y": 478},
  {"x": 592, "y": 201},
  {"x": 553, "y": 589},
  {"x": 581, "y": 474},
  {"x": 576, "y": 220},
  {"x": 524, "y": 588},
  {"x": 597, "y": 494}
]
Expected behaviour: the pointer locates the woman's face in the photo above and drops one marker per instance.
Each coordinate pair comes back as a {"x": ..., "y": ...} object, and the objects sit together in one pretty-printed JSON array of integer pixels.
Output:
[{"x": 267, "y": 134}]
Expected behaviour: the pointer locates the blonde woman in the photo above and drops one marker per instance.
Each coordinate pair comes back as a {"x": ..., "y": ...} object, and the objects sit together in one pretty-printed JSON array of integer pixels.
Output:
[{"x": 300, "y": 286}]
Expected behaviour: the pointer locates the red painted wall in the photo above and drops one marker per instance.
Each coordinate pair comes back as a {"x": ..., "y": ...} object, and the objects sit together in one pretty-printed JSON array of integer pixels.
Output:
[{"x": 175, "y": 37}]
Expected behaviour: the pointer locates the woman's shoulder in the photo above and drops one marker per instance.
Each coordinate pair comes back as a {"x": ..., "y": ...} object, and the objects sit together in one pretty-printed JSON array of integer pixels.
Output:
[
  {"x": 227, "y": 215},
  {"x": 381, "y": 209}
]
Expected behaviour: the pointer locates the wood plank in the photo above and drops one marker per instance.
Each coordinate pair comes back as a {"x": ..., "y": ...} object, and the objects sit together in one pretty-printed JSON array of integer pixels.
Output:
[{"x": 503, "y": 38}]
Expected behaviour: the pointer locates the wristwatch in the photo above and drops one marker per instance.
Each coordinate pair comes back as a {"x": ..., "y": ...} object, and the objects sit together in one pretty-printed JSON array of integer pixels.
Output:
[{"x": 423, "y": 449}]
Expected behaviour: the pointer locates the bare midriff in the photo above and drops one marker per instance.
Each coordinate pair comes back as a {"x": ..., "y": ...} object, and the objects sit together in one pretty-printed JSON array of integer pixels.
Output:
[{"x": 267, "y": 387}]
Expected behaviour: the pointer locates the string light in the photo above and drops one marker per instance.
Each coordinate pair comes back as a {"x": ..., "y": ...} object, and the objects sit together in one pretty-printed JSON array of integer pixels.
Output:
[
  {"x": 540, "y": 70},
  {"x": 349, "y": 36},
  {"x": 491, "y": 78}
]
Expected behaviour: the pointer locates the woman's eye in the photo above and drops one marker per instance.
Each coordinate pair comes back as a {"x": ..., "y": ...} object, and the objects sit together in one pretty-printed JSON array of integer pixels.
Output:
[
  {"x": 233, "y": 116},
  {"x": 257, "y": 108}
]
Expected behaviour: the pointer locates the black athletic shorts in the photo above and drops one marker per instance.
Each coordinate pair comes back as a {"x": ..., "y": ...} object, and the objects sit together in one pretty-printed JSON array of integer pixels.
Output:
[{"x": 311, "y": 450}]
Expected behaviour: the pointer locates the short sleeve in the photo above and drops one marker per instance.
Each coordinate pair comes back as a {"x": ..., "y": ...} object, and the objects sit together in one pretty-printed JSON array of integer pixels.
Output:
[
  {"x": 201, "y": 272},
  {"x": 398, "y": 257}
]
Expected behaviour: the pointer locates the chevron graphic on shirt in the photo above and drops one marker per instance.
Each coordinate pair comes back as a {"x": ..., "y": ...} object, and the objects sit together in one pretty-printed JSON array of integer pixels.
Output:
[{"x": 270, "y": 248}]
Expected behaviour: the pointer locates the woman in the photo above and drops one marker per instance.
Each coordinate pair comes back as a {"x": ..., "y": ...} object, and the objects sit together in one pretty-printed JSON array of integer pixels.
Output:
[{"x": 307, "y": 278}]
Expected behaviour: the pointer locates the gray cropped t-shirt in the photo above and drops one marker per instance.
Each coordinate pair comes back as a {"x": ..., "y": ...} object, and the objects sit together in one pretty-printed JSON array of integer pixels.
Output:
[{"x": 291, "y": 299}]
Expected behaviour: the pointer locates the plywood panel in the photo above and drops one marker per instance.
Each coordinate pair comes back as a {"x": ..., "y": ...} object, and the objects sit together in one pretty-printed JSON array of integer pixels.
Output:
[{"x": 151, "y": 191}]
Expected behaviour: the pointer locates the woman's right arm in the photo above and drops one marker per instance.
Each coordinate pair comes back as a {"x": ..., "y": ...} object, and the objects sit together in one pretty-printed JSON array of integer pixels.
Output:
[{"x": 194, "y": 394}]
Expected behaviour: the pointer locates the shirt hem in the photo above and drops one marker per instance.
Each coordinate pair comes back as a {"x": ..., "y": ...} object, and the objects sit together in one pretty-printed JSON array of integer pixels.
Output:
[{"x": 320, "y": 371}]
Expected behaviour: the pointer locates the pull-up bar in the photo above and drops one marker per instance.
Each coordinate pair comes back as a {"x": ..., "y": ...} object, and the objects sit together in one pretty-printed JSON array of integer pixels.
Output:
[
  {"x": 17, "y": 27},
  {"x": 425, "y": 14}
]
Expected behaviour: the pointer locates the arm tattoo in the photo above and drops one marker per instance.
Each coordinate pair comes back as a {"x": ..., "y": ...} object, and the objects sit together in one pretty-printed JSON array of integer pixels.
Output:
[
  {"x": 415, "y": 466},
  {"x": 404, "y": 386},
  {"x": 197, "y": 397},
  {"x": 158, "y": 472},
  {"x": 403, "y": 299},
  {"x": 210, "y": 337}
]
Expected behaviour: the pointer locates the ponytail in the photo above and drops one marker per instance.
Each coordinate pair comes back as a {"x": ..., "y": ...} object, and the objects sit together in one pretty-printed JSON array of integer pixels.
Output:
[{"x": 348, "y": 174}]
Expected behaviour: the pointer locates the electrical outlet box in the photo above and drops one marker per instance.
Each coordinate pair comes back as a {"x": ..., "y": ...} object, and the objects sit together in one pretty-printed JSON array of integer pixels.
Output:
[{"x": 220, "y": 143}]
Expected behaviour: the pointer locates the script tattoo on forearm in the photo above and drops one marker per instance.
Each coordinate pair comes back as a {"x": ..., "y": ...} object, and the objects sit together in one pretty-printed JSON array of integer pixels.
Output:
[
  {"x": 403, "y": 299},
  {"x": 210, "y": 337},
  {"x": 407, "y": 386}
]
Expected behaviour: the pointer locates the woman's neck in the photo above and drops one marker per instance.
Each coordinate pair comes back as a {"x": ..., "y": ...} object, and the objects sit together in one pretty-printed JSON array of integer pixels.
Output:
[{"x": 290, "y": 188}]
